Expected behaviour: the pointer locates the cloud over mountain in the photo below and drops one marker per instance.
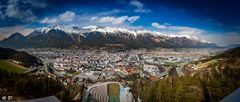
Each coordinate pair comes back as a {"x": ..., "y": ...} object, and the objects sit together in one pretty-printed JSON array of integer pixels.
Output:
[
  {"x": 189, "y": 32},
  {"x": 139, "y": 6},
  {"x": 118, "y": 20},
  {"x": 70, "y": 17},
  {"x": 21, "y": 9},
  {"x": 157, "y": 25},
  {"x": 67, "y": 16}
]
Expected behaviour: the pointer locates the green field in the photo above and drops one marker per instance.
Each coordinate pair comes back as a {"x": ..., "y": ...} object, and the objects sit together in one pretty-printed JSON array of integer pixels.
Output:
[
  {"x": 113, "y": 92},
  {"x": 11, "y": 67},
  {"x": 113, "y": 89},
  {"x": 172, "y": 63}
]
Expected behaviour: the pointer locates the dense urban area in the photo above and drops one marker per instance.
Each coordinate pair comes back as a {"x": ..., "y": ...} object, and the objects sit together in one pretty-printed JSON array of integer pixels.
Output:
[
  {"x": 141, "y": 75},
  {"x": 87, "y": 67},
  {"x": 96, "y": 65}
]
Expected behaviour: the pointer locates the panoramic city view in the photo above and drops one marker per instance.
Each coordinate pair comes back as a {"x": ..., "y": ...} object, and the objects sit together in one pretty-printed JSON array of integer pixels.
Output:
[{"x": 119, "y": 51}]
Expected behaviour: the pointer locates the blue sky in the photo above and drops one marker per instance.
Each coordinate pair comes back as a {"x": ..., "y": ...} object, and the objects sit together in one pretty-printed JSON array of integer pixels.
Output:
[{"x": 215, "y": 21}]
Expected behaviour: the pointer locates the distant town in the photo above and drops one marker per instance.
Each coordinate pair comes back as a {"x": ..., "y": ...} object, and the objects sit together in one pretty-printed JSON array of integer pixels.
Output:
[{"x": 75, "y": 66}]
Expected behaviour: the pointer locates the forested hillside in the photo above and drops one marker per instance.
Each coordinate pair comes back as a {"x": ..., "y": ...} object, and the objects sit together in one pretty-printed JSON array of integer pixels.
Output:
[
  {"x": 24, "y": 58},
  {"x": 203, "y": 86}
]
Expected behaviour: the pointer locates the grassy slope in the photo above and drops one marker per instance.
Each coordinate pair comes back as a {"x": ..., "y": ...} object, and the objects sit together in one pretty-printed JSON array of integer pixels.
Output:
[
  {"x": 11, "y": 67},
  {"x": 230, "y": 58}
]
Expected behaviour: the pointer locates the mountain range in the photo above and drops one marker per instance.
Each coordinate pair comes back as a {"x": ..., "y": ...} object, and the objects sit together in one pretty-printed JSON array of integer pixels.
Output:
[
  {"x": 60, "y": 36},
  {"x": 232, "y": 46}
]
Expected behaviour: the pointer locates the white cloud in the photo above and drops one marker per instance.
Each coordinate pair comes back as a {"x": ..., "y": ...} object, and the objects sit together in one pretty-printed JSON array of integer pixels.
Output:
[
  {"x": 180, "y": 31},
  {"x": 142, "y": 10},
  {"x": 133, "y": 18},
  {"x": 14, "y": 11},
  {"x": 85, "y": 19},
  {"x": 190, "y": 32},
  {"x": 136, "y": 3},
  {"x": 67, "y": 16},
  {"x": 49, "y": 20},
  {"x": 157, "y": 25},
  {"x": 167, "y": 24},
  {"x": 22, "y": 9},
  {"x": 221, "y": 39},
  {"x": 113, "y": 20},
  {"x": 139, "y": 6},
  {"x": 193, "y": 33},
  {"x": 184, "y": 29},
  {"x": 117, "y": 20},
  {"x": 93, "y": 18}
]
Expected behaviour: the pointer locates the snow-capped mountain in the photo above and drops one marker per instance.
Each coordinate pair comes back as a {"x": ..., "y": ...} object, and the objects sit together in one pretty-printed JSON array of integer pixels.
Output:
[
  {"x": 104, "y": 30},
  {"x": 99, "y": 36},
  {"x": 85, "y": 29},
  {"x": 67, "y": 29}
]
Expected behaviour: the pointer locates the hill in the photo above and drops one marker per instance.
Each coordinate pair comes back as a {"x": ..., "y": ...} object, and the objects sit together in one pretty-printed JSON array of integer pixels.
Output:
[
  {"x": 21, "y": 58},
  {"x": 230, "y": 59},
  {"x": 232, "y": 46},
  {"x": 211, "y": 85},
  {"x": 11, "y": 67}
]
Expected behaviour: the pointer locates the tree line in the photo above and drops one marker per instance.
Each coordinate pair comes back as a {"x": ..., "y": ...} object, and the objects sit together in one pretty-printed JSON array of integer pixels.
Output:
[{"x": 203, "y": 87}]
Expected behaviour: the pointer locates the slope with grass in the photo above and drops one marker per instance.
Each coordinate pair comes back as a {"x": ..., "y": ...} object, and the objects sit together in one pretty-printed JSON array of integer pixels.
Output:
[
  {"x": 229, "y": 59},
  {"x": 11, "y": 67}
]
